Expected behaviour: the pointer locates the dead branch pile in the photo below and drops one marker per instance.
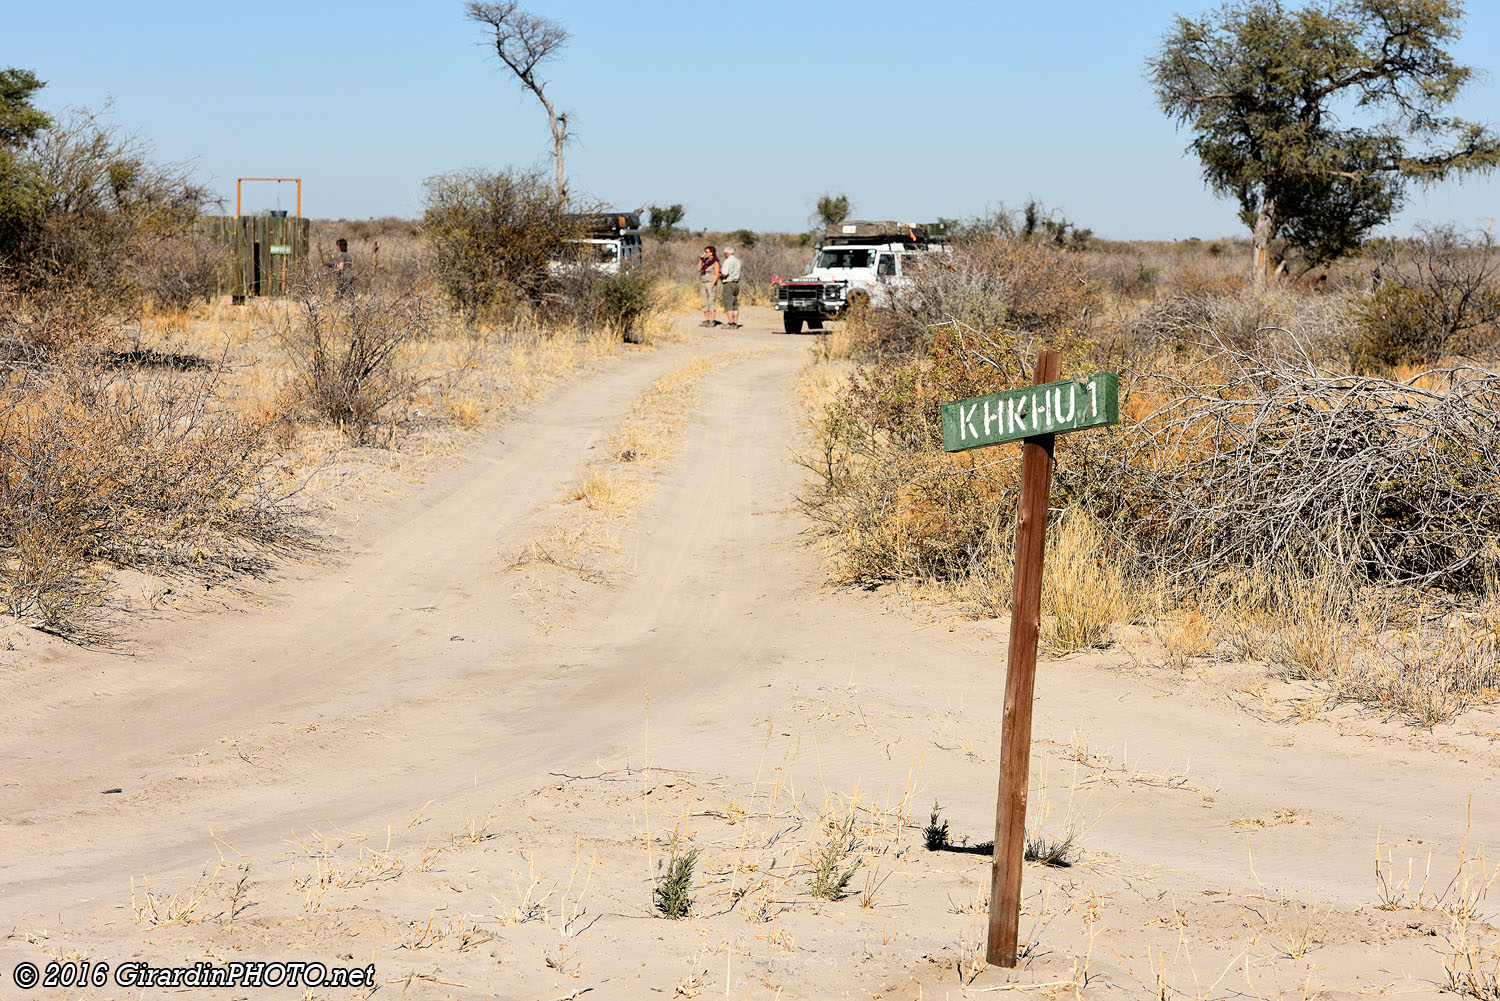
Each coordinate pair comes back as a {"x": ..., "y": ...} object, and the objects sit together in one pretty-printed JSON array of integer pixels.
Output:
[{"x": 1275, "y": 460}]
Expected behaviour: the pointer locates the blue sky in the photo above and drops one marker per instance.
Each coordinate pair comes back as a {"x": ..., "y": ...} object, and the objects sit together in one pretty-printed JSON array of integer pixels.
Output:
[{"x": 742, "y": 112}]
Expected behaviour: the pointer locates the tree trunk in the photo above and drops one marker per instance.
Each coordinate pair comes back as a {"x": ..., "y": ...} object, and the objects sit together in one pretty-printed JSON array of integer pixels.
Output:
[
  {"x": 558, "y": 130},
  {"x": 1265, "y": 229}
]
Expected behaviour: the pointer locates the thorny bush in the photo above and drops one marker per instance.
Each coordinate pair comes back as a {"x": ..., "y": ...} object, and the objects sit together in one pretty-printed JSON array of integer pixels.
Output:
[
  {"x": 104, "y": 213},
  {"x": 1004, "y": 289},
  {"x": 104, "y": 468},
  {"x": 348, "y": 351},
  {"x": 1262, "y": 460},
  {"x": 1434, "y": 296},
  {"x": 896, "y": 504},
  {"x": 492, "y": 235},
  {"x": 588, "y": 300}
]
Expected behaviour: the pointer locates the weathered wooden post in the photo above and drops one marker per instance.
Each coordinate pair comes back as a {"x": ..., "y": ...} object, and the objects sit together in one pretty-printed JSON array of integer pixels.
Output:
[{"x": 1036, "y": 415}]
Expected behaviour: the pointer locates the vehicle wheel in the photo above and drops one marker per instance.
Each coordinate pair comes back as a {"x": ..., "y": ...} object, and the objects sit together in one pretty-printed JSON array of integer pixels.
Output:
[
  {"x": 791, "y": 324},
  {"x": 815, "y": 324},
  {"x": 859, "y": 299}
]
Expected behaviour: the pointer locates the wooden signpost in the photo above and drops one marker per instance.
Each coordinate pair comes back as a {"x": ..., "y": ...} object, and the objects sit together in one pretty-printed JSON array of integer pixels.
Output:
[{"x": 1035, "y": 415}]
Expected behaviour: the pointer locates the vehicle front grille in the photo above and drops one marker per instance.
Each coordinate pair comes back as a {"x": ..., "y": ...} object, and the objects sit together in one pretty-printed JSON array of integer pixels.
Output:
[{"x": 807, "y": 292}]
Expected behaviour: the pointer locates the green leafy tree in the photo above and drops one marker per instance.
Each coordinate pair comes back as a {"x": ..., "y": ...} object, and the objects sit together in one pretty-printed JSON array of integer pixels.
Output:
[
  {"x": 85, "y": 209},
  {"x": 832, "y": 209},
  {"x": 22, "y": 189},
  {"x": 664, "y": 219},
  {"x": 19, "y": 121},
  {"x": 1272, "y": 97}
]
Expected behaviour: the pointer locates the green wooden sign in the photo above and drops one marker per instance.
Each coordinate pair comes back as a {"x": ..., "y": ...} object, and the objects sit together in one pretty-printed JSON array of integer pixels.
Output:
[
  {"x": 1050, "y": 408},
  {"x": 281, "y": 248}
]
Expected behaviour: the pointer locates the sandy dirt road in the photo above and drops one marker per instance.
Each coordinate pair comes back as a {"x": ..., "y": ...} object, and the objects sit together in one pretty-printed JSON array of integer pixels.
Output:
[{"x": 418, "y": 756}]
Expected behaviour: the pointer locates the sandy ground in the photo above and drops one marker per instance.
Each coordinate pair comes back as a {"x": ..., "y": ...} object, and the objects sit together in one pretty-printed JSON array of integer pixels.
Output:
[{"x": 468, "y": 766}]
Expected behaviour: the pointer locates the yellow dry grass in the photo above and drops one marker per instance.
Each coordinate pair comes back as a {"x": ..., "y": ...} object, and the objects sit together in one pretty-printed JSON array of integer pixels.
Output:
[
  {"x": 1084, "y": 591},
  {"x": 648, "y": 429},
  {"x": 681, "y": 296},
  {"x": 613, "y": 489}
]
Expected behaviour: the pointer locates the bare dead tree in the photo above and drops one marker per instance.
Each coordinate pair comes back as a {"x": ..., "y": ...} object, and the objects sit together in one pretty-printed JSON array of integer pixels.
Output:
[{"x": 523, "y": 41}]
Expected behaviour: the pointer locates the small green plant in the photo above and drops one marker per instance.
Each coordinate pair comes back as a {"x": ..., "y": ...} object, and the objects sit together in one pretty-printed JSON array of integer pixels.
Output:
[
  {"x": 1390, "y": 328},
  {"x": 672, "y": 897},
  {"x": 831, "y": 209},
  {"x": 935, "y": 835},
  {"x": 830, "y": 879},
  {"x": 238, "y": 892}
]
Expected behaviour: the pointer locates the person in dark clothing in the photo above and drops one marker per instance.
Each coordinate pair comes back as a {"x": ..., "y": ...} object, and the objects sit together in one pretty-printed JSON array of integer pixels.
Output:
[{"x": 343, "y": 268}]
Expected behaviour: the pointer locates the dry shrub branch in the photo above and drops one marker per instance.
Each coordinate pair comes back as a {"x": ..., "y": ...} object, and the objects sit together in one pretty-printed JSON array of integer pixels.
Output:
[
  {"x": 1282, "y": 460},
  {"x": 347, "y": 352},
  {"x": 1433, "y": 295},
  {"x": 1010, "y": 290},
  {"x": 893, "y": 503},
  {"x": 102, "y": 468}
]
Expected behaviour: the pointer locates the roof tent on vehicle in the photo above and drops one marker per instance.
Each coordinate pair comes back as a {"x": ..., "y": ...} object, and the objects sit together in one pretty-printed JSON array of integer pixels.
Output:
[
  {"x": 603, "y": 224},
  {"x": 878, "y": 231}
]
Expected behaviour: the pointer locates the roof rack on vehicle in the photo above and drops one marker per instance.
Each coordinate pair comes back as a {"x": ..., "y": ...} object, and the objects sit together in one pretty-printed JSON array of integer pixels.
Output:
[
  {"x": 600, "y": 224},
  {"x": 880, "y": 231}
]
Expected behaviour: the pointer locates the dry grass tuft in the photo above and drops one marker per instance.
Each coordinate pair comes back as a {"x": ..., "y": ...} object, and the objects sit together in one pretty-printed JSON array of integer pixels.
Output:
[
  {"x": 157, "y": 910},
  {"x": 1084, "y": 591},
  {"x": 606, "y": 489}
]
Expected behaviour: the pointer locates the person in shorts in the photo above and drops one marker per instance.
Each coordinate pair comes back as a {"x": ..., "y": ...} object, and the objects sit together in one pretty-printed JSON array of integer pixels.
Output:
[
  {"x": 708, "y": 277},
  {"x": 729, "y": 278}
]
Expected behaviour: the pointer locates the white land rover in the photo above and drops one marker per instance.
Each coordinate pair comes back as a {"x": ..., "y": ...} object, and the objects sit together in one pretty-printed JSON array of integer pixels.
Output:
[
  {"x": 863, "y": 264},
  {"x": 609, "y": 242}
]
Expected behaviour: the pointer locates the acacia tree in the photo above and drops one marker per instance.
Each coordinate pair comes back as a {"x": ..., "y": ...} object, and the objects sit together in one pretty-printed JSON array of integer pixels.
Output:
[
  {"x": 22, "y": 189},
  {"x": 523, "y": 41},
  {"x": 832, "y": 209},
  {"x": 1266, "y": 91},
  {"x": 664, "y": 218}
]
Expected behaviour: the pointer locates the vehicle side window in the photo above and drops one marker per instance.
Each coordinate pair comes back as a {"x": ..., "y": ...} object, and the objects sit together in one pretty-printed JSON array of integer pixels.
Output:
[
  {"x": 886, "y": 265},
  {"x": 908, "y": 263}
]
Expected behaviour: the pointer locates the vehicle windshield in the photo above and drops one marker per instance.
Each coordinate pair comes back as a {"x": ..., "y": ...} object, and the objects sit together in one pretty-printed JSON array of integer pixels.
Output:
[
  {"x": 587, "y": 250},
  {"x": 845, "y": 257}
]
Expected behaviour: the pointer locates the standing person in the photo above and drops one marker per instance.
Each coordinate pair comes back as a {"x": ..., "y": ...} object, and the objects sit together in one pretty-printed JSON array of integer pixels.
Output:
[
  {"x": 343, "y": 269},
  {"x": 708, "y": 277},
  {"x": 729, "y": 275}
]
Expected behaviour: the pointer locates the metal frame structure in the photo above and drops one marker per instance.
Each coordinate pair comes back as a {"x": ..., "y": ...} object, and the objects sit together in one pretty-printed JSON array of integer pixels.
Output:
[
  {"x": 238, "y": 208},
  {"x": 238, "y": 181}
]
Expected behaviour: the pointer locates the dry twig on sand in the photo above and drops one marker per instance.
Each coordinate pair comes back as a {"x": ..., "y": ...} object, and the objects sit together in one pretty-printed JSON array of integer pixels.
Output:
[{"x": 1276, "y": 458}]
